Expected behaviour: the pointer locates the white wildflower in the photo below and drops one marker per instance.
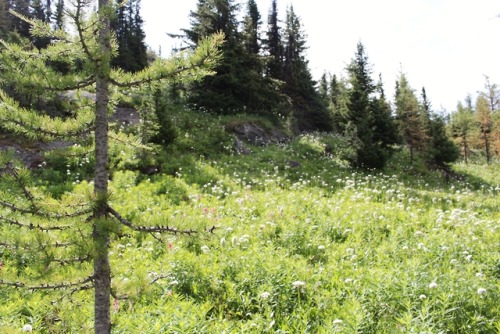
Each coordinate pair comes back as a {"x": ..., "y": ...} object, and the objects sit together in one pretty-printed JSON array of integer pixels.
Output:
[
  {"x": 481, "y": 291},
  {"x": 265, "y": 295},
  {"x": 422, "y": 297},
  {"x": 205, "y": 249},
  {"x": 27, "y": 328},
  {"x": 321, "y": 247},
  {"x": 433, "y": 285},
  {"x": 299, "y": 284},
  {"x": 223, "y": 242},
  {"x": 337, "y": 321}
]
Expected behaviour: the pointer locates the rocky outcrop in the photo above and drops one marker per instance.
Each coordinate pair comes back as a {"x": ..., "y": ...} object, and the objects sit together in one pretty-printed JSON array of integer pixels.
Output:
[{"x": 253, "y": 134}]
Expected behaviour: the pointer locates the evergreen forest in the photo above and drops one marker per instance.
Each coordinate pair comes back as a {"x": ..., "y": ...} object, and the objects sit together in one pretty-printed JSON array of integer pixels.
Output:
[{"x": 224, "y": 189}]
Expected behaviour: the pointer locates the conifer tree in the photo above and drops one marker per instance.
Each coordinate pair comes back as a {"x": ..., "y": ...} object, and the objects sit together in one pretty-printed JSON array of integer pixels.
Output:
[
  {"x": 339, "y": 98},
  {"x": 274, "y": 45},
  {"x": 221, "y": 93},
  {"x": 127, "y": 24},
  {"x": 19, "y": 25},
  {"x": 439, "y": 148},
  {"x": 85, "y": 224},
  {"x": 308, "y": 110},
  {"x": 385, "y": 131},
  {"x": 238, "y": 85},
  {"x": 5, "y": 19},
  {"x": 59, "y": 15},
  {"x": 323, "y": 89},
  {"x": 462, "y": 127},
  {"x": 251, "y": 26},
  {"x": 492, "y": 93},
  {"x": 409, "y": 118},
  {"x": 485, "y": 122},
  {"x": 367, "y": 118}
]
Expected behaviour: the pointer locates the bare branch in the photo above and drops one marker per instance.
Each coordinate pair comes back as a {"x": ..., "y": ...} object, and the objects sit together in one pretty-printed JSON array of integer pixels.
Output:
[
  {"x": 56, "y": 245},
  {"x": 44, "y": 286},
  {"x": 64, "y": 262},
  {"x": 15, "y": 208},
  {"x": 32, "y": 226},
  {"x": 76, "y": 18},
  {"x": 148, "y": 229}
]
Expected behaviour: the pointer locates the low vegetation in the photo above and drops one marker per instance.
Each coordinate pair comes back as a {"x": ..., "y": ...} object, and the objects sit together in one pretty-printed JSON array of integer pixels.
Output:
[{"x": 291, "y": 240}]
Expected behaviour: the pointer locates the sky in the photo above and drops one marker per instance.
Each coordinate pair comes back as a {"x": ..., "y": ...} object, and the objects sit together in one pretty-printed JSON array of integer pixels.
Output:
[{"x": 446, "y": 46}]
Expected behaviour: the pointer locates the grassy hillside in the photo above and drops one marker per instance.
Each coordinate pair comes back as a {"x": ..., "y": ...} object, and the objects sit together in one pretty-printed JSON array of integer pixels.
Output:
[{"x": 291, "y": 241}]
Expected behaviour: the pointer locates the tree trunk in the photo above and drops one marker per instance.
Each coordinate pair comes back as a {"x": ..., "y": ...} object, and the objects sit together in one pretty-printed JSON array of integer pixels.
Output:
[
  {"x": 487, "y": 146},
  {"x": 102, "y": 270},
  {"x": 466, "y": 148}
]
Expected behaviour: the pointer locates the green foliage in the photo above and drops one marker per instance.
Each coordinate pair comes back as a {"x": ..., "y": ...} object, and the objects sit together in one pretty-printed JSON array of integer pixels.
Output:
[
  {"x": 364, "y": 117},
  {"x": 127, "y": 25},
  {"x": 409, "y": 117},
  {"x": 442, "y": 149},
  {"x": 301, "y": 243},
  {"x": 309, "y": 112}
]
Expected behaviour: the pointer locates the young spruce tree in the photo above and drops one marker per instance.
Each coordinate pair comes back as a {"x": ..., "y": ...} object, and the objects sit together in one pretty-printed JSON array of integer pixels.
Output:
[
  {"x": 309, "y": 111},
  {"x": 84, "y": 225},
  {"x": 368, "y": 120}
]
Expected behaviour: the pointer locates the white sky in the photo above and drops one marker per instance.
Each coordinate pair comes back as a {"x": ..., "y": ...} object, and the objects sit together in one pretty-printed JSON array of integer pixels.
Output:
[{"x": 445, "y": 45}]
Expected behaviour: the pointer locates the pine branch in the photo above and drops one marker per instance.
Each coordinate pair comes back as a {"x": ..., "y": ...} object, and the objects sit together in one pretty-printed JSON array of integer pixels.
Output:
[
  {"x": 56, "y": 245},
  {"x": 45, "y": 286},
  {"x": 79, "y": 28},
  {"x": 11, "y": 170},
  {"x": 79, "y": 85},
  {"x": 64, "y": 262},
  {"x": 32, "y": 226},
  {"x": 87, "y": 128},
  {"x": 42, "y": 214},
  {"x": 147, "y": 229},
  {"x": 200, "y": 63},
  {"x": 136, "y": 144},
  {"x": 156, "y": 277}
]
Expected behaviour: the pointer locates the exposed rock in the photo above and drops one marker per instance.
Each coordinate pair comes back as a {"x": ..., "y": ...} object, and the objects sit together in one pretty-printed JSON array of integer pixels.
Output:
[
  {"x": 126, "y": 116},
  {"x": 240, "y": 147},
  {"x": 256, "y": 135},
  {"x": 293, "y": 164},
  {"x": 151, "y": 170}
]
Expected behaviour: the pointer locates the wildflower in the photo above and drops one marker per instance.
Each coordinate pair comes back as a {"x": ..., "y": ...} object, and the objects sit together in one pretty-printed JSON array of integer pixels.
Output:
[
  {"x": 479, "y": 275},
  {"x": 433, "y": 285},
  {"x": 265, "y": 295},
  {"x": 174, "y": 282},
  {"x": 337, "y": 322},
  {"x": 205, "y": 249},
  {"x": 481, "y": 291},
  {"x": 422, "y": 297},
  {"x": 321, "y": 247},
  {"x": 223, "y": 242},
  {"x": 27, "y": 328},
  {"x": 348, "y": 280},
  {"x": 299, "y": 284},
  {"x": 116, "y": 305}
]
